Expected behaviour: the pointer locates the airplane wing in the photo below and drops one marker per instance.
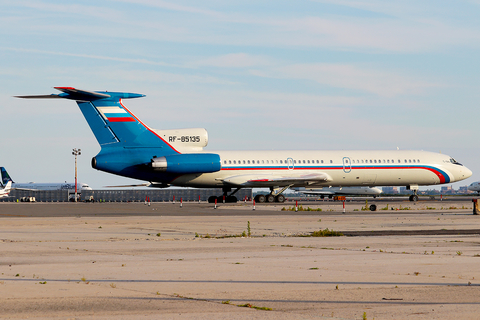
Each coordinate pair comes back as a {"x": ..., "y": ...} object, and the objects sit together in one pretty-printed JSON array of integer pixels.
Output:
[
  {"x": 147, "y": 184},
  {"x": 265, "y": 180}
]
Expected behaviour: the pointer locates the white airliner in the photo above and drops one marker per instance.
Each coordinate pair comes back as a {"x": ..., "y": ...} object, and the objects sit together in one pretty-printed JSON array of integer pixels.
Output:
[
  {"x": 176, "y": 158},
  {"x": 4, "y": 192},
  {"x": 32, "y": 186},
  {"x": 475, "y": 187},
  {"x": 346, "y": 191}
]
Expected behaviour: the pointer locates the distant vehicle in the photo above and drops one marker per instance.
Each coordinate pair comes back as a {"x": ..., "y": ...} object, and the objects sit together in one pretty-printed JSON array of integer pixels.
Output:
[
  {"x": 4, "y": 192},
  {"x": 332, "y": 191},
  {"x": 28, "y": 199},
  {"x": 32, "y": 186},
  {"x": 166, "y": 158},
  {"x": 475, "y": 187}
]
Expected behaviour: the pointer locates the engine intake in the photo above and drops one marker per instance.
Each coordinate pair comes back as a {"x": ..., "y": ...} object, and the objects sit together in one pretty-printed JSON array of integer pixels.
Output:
[{"x": 187, "y": 163}]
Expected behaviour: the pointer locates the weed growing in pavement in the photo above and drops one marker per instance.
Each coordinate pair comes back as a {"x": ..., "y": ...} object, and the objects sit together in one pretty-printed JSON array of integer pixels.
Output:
[{"x": 326, "y": 233}]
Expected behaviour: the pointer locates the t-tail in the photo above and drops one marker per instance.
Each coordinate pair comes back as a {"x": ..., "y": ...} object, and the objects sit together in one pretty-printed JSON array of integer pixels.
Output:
[
  {"x": 129, "y": 147},
  {"x": 5, "y": 176}
]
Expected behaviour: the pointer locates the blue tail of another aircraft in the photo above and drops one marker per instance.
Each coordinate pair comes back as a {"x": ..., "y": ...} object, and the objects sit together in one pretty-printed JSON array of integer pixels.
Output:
[{"x": 5, "y": 176}]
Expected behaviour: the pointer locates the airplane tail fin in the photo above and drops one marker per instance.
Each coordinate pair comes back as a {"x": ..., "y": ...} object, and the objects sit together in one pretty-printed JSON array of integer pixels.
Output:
[
  {"x": 8, "y": 187},
  {"x": 110, "y": 121},
  {"x": 5, "y": 176}
]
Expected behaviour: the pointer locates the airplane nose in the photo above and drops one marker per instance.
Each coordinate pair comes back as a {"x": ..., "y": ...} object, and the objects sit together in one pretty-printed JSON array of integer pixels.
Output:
[{"x": 465, "y": 173}]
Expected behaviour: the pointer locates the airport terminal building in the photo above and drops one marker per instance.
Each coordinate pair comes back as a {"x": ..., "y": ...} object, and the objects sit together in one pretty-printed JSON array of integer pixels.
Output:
[{"x": 116, "y": 195}]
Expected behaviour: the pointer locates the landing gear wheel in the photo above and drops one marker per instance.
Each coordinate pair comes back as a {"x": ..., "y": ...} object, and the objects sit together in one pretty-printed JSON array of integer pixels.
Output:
[
  {"x": 260, "y": 198},
  {"x": 231, "y": 199},
  {"x": 280, "y": 198},
  {"x": 270, "y": 198},
  {"x": 413, "y": 197}
]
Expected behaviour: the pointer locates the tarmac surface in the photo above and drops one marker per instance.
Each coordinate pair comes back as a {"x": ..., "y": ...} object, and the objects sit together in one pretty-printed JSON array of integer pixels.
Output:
[{"x": 136, "y": 261}]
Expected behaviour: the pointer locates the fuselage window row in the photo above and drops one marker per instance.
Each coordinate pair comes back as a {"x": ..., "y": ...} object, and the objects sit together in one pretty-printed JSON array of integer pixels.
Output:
[{"x": 346, "y": 161}]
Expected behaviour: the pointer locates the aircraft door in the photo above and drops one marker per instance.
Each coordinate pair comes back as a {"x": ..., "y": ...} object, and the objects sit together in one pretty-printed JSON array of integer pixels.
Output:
[
  {"x": 290, "y": 163},
  {"x": 347, "y": 164}
]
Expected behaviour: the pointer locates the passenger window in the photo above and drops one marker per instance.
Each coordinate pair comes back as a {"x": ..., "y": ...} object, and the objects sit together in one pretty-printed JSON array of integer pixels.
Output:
[
  {"x": 248, "y": 161},
  {"x": 317, "y": 161},
  {"x": 229, "y": 161},
  {"x": 410, "y": 160},
  {"x": 281, "y": 162},
  {"x": 418, "y": 160},
  {"x": 322, "y": 161},
  {"x": 234, "y": 162},
  {"x": 371, "y": 161},
  {"x": 224, "y": 161},
  {"x": 375, "y": 161},
  {"x": 405, "y": 160},
  {"x": 331, "y": 161}
]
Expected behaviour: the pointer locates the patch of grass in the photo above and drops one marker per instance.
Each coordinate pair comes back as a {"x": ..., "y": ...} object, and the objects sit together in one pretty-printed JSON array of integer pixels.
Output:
[
  {"x": 43, "y": 282},
  {"x": 159, "y": 234},
  {"x": 248, "y": 305},
  {"x": 113, "y": 285},
  {"x": 226, "y": 302},
  {"x": 313, "y": 268},
  {"x": 384, "y": 208},
  {"x": 459, "y": 253},
  {"x": 301, "y": 208},
  {"x": 416, "y": 273},
  {"x": 326, "y": 233}
]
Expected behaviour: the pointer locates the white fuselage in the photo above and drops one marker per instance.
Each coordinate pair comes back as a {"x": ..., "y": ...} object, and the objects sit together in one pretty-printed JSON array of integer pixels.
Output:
[
  {"x": 343, "y": 168},
  {"x": 474, "y": 186},
  {"x": 50, "y": 186}
]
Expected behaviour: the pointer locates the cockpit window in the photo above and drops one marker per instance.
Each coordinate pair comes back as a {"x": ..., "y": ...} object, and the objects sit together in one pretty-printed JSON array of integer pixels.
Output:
[{"x": 455, "y": 161}]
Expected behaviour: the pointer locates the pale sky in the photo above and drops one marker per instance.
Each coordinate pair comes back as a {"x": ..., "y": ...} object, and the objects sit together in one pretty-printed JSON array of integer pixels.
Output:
[{"x": 313, "y": 75}]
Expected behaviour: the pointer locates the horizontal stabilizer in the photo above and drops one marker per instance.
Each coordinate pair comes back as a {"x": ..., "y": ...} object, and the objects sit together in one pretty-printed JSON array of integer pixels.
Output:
[
  {"x": 43, "y": 96},
  {"x": 84, "y": 95}
]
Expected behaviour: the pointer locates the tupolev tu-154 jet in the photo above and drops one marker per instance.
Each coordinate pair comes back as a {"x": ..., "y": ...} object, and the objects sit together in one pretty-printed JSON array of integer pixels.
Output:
[{"x": 166, "y": 158}]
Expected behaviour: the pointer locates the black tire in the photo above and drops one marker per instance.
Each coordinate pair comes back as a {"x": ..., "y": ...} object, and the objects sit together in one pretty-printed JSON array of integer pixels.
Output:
[
  {"x": 260, "y": 198},
  {"x": 373, "y": 207},
  {"x": 280, "y": 198},
  {"x": 270, "y": 198},
  {"x": 231, "y": 199}
]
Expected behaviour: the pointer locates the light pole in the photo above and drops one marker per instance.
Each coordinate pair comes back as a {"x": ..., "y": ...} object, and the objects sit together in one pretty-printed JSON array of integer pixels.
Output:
[{"x": 76, "y": 152}]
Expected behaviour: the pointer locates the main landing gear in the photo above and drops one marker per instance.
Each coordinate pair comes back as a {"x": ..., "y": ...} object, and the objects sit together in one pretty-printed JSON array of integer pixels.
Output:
[
  {"x": 229, "y": 198},
  {"x": 414, "y": 196},
  {"x": 273, "y": 196}
]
